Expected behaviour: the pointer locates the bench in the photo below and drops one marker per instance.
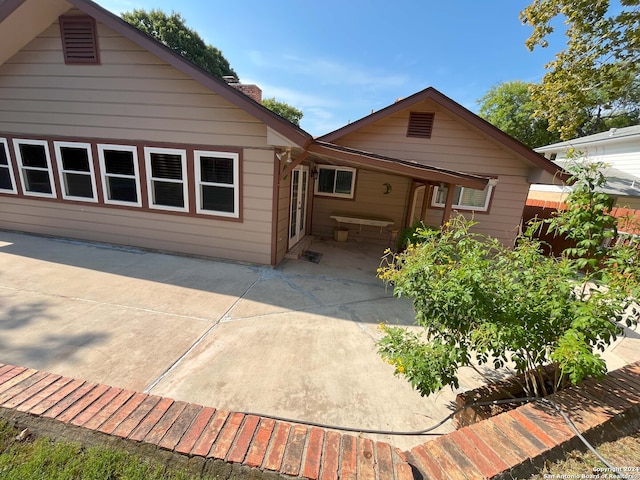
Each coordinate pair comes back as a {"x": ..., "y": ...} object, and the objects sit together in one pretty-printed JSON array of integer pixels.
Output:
[{"x": 359, "y": 220}]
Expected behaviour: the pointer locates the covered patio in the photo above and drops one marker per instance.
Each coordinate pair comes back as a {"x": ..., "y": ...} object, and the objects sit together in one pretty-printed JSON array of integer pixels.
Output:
[{"x": 348, "y": 194}]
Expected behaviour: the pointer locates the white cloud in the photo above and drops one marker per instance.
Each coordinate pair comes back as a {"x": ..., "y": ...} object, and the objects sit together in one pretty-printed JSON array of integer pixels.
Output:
[{"x": 327, "y": 72}]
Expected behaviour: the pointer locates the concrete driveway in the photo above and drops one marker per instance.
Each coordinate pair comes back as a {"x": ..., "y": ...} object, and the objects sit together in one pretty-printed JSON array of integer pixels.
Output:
[{"x": 298, "y": 341}]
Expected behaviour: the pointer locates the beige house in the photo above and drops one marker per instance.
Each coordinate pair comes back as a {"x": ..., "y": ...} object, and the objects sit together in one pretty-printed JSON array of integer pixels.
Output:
[{"x": 107, "y": 135}]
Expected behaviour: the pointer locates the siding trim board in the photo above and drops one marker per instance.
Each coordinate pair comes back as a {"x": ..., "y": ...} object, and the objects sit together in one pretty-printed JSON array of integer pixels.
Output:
[{"x": 94, "y": 145}]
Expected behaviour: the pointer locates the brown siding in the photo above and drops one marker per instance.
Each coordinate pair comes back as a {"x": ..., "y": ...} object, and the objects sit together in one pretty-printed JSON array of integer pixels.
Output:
[
  {"x": 370, "y": 200},
  {"x": 188, "y": 235},
  {"x": 132, "y": 95},
  {"x": 136, "y": 98},
  {"x": 454, "y": 146}
]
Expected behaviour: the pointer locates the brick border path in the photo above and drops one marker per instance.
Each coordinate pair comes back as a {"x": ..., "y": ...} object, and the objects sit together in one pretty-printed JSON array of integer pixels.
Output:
[{"x": 504, "y": 445}]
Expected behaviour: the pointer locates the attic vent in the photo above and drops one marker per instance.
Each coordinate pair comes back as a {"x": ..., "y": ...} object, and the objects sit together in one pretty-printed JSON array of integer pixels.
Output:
[
  {"x": 79, "y": 40},
  {"x": 420, "y": 124}
]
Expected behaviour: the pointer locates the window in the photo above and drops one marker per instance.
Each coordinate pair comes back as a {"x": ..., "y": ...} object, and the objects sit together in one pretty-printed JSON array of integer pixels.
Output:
[
  {"x": 464, "y": 198},
  {"x": 7, "y": 182},
  {"x": 79, "y": 40},
  {"x": 217, "y": 183},
  {"x": 120, "y": 176},
  {"x": 167, "y": 179},
  {"x": 34, "y": 167},
  {"x": 75, "y": 166},
  {"x": 335, "y": 181}
]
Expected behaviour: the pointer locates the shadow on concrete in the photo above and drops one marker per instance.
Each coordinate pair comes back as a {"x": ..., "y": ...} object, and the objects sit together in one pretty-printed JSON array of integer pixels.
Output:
[
  {"x": 39, "y": 345},
  {"x": 346, "y": 275}
]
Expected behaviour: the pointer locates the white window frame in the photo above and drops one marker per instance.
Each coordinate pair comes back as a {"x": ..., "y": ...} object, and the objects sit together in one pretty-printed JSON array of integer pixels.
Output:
[
  {"x": 458, "y": 206},
  {"x": 105, "y": 176},
  {"x": 200, "y": 183},
  {"x": 336, "y": 169},
  {"x": 62, "y": 172},
  {"x": 4, "y": 144},
  {"x": 21, "y": 167},
  {"x": 148, "y": 151}
]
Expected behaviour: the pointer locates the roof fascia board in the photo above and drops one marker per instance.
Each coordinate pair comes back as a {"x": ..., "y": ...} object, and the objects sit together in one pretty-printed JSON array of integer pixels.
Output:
[
  {"x": 8, "y": 7},
  {"x": 25, "y": 19},
  {"x": 418, "y": 171},
  {"x": 237, "y": 98}
]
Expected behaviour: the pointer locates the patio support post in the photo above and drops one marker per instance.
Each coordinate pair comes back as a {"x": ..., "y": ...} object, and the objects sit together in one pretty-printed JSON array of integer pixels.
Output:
[
  {"x": 426, "y": 198},
  {"x": 446, "y": 215}
]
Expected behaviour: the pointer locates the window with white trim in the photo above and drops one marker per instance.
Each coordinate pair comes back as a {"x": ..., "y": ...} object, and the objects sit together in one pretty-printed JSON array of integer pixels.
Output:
[
  {"x": 167, "y": 178},
  {"x": 464, "y": 198},
  {"x": 75, "y": 167},
  {"x": 7, "y": 182},
  {"x": 335, "y": 181},
  {"x": 120, "y": 175},
  {"x": 217, "y": 183},
  {"x": 34, "y": 166}
]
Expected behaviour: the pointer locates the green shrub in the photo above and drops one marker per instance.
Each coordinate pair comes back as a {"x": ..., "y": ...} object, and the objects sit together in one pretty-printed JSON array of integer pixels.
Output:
[{"x": 480, "y": 301}]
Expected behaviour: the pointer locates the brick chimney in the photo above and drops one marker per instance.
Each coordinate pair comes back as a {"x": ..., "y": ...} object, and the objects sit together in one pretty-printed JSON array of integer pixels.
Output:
[{"x": 251, "y": 91}]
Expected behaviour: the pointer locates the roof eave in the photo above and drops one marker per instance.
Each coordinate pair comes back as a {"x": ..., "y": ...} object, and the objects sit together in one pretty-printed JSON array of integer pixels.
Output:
[{"x": 397, "y": 166}]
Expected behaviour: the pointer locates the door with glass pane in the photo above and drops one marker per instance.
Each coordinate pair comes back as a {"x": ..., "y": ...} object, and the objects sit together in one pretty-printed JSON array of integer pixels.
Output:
[{"x": 298, "y": 209}]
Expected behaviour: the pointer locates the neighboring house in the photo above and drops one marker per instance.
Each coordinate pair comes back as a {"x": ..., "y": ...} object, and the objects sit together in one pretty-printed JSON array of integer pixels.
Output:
[
  {"x": 618, "y": 149},
  {"x": 107, "y": 135}
]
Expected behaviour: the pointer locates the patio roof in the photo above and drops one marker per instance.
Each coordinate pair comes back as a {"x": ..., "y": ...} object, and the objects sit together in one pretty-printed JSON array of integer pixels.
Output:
[{"x": 412, "y": 169}]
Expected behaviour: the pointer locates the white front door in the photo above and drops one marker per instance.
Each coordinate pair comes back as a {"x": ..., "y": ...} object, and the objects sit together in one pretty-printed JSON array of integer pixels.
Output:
[{"x": 298, "y": 208}]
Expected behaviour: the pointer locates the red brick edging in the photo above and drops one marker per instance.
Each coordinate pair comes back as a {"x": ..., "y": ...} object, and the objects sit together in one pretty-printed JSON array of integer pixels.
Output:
[{"x": 489, "y": 449}]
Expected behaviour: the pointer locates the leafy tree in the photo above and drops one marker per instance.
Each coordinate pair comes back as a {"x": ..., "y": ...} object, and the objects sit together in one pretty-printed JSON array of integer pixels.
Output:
[
  {"x": 476, "y": 299},
  {"x": 283, "y": 109},
  {"x": 172, "y": 31},
  {"x": 593, "y": 84},
  {"x": 509, "y": 107}
]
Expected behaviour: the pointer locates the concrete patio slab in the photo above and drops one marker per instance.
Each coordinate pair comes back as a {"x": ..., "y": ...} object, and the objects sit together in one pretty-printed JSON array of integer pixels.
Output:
[{"x": 298, "y": 341}]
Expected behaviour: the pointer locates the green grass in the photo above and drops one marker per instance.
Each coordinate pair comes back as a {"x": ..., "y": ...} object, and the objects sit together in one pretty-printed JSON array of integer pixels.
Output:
[
  {"x": 44, "y": 459},
  {"x": 622, "y": 453}
]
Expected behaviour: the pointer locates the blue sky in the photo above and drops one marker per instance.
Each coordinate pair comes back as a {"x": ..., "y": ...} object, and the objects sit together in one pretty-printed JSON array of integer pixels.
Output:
[{"x": 339, "y": 60}]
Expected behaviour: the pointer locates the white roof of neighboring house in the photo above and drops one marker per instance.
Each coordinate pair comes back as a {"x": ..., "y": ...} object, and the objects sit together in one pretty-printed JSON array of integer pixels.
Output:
[
  {"x": 618, "y": 149},
  {"x": 611, "y": 137}
]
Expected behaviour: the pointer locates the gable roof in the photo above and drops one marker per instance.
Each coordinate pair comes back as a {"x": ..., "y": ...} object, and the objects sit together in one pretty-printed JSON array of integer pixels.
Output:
[
  {"x": 430, "y": 93},
  {"x": 219, "y": 86}
]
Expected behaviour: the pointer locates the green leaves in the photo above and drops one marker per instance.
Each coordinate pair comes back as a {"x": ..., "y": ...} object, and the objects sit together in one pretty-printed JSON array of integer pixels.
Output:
[
  {"x": 172, "y": 31},
  {"x": 478, "y": 301},
  {"x": 283, "y": 109},
  {"x": 592, "y": 85},
  {"x": 510, "y": 107}
]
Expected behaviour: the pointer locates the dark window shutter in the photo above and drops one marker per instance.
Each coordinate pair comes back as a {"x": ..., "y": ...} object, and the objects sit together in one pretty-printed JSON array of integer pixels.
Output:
[
  {"x": 79, "y": 40},
  {"x": 420, "y": 124}
]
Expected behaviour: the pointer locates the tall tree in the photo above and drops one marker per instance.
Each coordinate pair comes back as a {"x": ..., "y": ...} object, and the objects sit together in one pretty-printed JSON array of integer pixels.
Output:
[
  {"x": 172, "y": 31},
  {"x": 283, "y": 109},
  {"x": 509, "y": 107},
  {"x": 594, "y": 83}
]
